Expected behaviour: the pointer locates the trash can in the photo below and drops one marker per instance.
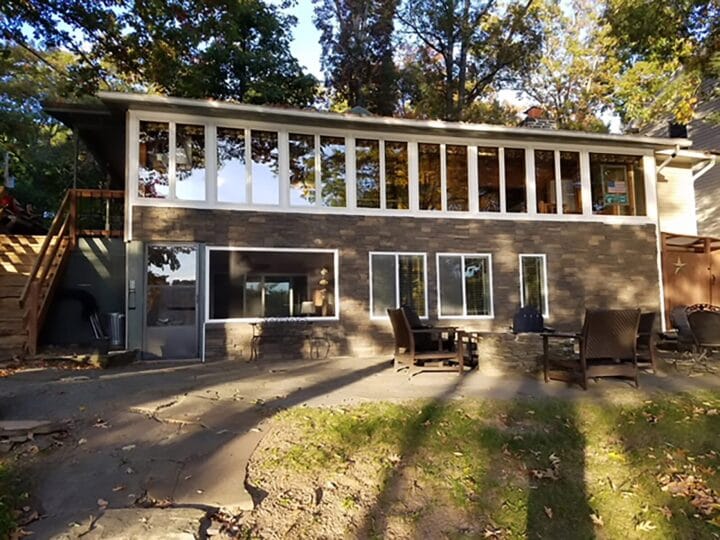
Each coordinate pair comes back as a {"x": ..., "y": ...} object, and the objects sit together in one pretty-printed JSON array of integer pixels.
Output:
[{"x": 116, "y": 324}]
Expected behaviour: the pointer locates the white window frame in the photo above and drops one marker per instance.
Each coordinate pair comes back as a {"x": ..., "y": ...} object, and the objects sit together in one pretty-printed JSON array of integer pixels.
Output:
[
  {"x": 336, "y": 288},
  {"x": 382, "y": 135},
  {"x": 396, "y": 254},
  {"x": 546, "y": 306},
  {"x": 462, "y": 256}
]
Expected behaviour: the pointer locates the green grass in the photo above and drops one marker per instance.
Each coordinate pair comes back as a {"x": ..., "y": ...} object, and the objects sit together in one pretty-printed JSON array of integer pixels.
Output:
[
  {"x": 12, "y": 497},
  {"x": 524, "y": 469}
]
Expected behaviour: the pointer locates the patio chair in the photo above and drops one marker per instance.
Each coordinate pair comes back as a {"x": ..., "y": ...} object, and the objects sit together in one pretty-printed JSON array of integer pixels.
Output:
[
  {"x": 437, "y": 358},
  {"x": 680, "y": 335},
  {"x": 646, "y": 341},
  {"x": 704, "y": 322},
  {"x": 607, "y": 348}
]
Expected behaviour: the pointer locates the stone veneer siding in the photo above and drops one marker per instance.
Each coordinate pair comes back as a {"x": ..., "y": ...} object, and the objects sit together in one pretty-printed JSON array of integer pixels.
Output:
[{"x": 589, "y": 264}]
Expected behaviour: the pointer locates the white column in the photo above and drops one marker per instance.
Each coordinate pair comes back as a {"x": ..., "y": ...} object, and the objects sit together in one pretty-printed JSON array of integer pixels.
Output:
[
  {"x": 210, "y": 164},
  {"x": 530, "y": 193},
  {"x": 413, "y": 176},
  {"x": 501, "y": 168},
  {"x": 586, "y": 194},
  {"x": 350, "y": 173},
  {"x": 284, "y": 172},
  {"x": 558, "y": 184},
  {"x": 172, "y": 147},
  {"x": 473, "y": 203},
  {"x": 443, "y": 178}
]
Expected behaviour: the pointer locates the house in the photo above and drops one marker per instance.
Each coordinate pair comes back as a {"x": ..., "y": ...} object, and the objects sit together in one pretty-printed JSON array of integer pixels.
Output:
[{"x": 236, "y": 215}]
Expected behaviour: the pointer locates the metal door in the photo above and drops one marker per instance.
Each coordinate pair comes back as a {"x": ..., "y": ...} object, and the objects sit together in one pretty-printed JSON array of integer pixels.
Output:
[{"x": 171, "y": 301}]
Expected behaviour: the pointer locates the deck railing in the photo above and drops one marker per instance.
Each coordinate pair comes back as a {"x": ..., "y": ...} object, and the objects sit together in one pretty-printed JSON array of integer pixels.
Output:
[{"x": 67, "y": 226}]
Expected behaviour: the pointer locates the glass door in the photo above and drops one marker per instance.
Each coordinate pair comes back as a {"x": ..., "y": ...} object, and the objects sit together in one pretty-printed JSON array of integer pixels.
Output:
[{"x": 171, "y": 302}]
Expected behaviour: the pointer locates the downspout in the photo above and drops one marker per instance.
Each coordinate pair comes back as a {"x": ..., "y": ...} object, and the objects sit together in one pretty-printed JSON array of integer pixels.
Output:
[
  {"x": 668, "y": 160},
  {"x": 711, "y": 163}
]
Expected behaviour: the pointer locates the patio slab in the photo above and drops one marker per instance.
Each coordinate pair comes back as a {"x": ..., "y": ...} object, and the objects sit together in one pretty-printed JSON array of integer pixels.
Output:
[{"x": 183, "y": 433}]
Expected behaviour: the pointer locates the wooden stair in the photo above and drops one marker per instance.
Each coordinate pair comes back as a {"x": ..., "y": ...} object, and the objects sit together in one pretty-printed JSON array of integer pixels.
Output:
[{"x": 18, "y": 253}]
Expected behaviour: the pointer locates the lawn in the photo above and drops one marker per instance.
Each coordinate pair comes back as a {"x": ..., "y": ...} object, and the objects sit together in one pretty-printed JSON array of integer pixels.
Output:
[{"x": 472, "y": 469}]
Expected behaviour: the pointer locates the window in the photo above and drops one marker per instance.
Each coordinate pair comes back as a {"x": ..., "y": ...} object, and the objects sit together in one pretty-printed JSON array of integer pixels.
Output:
[
  {"x": 302, "y": 169},
  {"x": 190, "y": 162},
  {"x": 570, "y": 184},
  {"x": 264, "y": 167},
  {"x": 332, "y": 167},
  {"x": 429, "y": 174},
  {"x": 367, "y": 171},
  {"x": 396, "y": 175},
  {"x": 397, "y": 279},
  {"x": 464, "y": 285},
  {"x": 488, "y": 179},
  {"x": 515, "y": 195},
  {"x": 253, "y": 284},
  {"x": 545, "y": 186},
  {"x": 533, "y": 283},
  {"x": 153, "y": 153},
  {"x": 231, "y": 165},
  {"x": 456, "y": 166},
  {"x": 617, "y": 185}
]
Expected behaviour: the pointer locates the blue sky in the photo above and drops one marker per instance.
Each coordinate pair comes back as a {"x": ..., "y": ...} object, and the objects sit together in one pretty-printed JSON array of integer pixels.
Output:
[{"x": 306, "y": 38}]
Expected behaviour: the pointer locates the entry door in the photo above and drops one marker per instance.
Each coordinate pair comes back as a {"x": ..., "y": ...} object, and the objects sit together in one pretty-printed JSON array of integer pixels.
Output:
[{"x": 171, "y": 301}]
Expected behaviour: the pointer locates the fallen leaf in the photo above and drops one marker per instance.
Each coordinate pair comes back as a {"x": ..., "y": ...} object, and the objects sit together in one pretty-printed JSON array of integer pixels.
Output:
[
  {"x": 548, "y": 512},
  {"x": 458, "y": 454},
  {"x": 645, "y": 526},
  {"x": 665, "y": 511},
  {"x": 118, "y": 488},
  {"x": 200, "y": 491},
  {"x": 81, "y": 442},
  {"x": 128, "y": 447},
  {"x": 597, "y": 520},
  {"x": 102, "y": 503}
]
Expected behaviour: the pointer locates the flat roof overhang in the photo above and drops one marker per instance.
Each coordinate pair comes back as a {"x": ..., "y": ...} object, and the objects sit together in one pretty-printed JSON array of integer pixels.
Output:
[{"x": 276, "y": 114}]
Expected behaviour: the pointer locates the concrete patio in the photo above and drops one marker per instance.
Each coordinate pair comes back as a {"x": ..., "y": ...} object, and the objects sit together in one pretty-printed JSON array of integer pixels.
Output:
[{"x": 180, "y": 434}]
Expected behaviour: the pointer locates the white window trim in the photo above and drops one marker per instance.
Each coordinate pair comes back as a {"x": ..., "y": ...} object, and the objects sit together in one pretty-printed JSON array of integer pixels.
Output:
[
  {"x": 336, "y": 290},
  {"x": 396, "y": 254},
  {"x": 546, "y": 306},
  {"x": 462, "y": 256},
  {"x": 135, "y": 116}
]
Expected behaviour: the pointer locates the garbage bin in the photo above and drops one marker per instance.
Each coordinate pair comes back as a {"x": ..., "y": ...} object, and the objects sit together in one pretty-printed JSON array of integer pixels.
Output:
[{"x": 116, "y": 324}]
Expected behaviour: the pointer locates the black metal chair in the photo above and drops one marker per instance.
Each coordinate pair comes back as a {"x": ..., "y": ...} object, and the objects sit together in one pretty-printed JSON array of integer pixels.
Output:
[
  {"x": 607, "y": 345},
  {"x": 704, "y": 322}
]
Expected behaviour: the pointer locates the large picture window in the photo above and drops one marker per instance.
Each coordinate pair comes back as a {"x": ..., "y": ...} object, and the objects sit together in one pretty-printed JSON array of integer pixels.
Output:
[
  {"x": 397, "y": 279},
  {"x": 262, "y": 283},
  {"x": 464, "y": 285},
  {"x": 533, "y": 282}
]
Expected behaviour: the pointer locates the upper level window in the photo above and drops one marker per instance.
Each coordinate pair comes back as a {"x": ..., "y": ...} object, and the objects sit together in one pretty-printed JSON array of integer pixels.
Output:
[
  {"x": 515, "y": 192},
  {"x": 332, "y": 168},
  {"x": 190, "y": 162},
  {"x": 570, "y": 183},
  {"x": 533, "y": 282},
  {"x": 367, "y": 173},
  {"x": 247, "y": 283},
  {"x": 397, "y": 279},
  {"x": 456, "y": 166},
  {"x": 396, "y": 175},
  {"x": 429, "y": 174},
  {"x": 488, "y": 179},
  {"x": 302, "y": 169},
  {"x": 231, "y": 165},
  {"x": 545, "y": 186},
  {"x": 464, "y": 285},
  {"x": 618, "y": 184},
  {"x": 153, "y": 158},
  {"x": 264, "y": 167}
]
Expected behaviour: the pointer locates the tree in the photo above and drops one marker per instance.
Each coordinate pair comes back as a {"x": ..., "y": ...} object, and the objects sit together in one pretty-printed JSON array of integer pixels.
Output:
[
  {"x": 575, "y": 75},
  {"x": 41, "y": 150},
  {"x": 460, "y": 49},
  {"x": 357, "y": 51},
  {"x": 230, "y": 49},
  {"x": 666, "y": 49}
]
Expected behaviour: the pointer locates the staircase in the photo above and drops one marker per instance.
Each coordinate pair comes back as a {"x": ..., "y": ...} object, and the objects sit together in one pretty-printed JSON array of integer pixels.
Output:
[
  {"x": 31, "y": 266},
  {"x": 18, "y": 253}
]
